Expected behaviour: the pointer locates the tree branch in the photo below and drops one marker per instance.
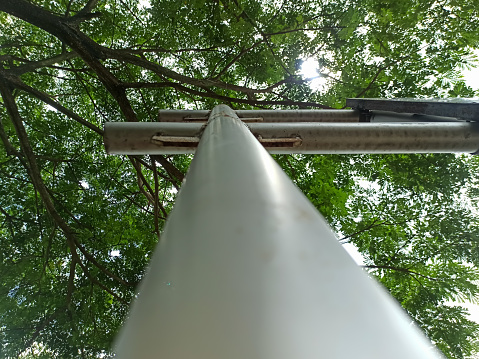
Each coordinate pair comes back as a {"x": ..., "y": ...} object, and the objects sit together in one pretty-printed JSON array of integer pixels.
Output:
[
  {"x": 236, "y": 58},
  {"x": 71, "y": 282},
  {"x": 8, "y": 146},
  {"x": 305, "y": 29},
  {"x": 404, "y": 270},
  {"x": 31, "y": 66},
  {"x": 164, "y": 72},
  {"x": 16, "y": 82},
  {"x": 86, "y": 48},
  {"x": 161, "y": 49},
  {"x": 85, "y": 13},
  {"x": 38, "y": 330},
  {"x": 365, "y": 229},
  {"x": 172, "y": 170},
  {"x": 147, "y": 165},
  {"x": 150, "y": 195},
  {"x": 156, "y": 197},
  {"x": 33, "y": 169},
  {"x": 211, "y": 94},
  {"x": 102, "y": 268},
  {"x": 101, "y": 285},
  {"x": 91, "y": 52},
  {"x": 381, "y": 69},
  {"x": 34, "y": 173}
]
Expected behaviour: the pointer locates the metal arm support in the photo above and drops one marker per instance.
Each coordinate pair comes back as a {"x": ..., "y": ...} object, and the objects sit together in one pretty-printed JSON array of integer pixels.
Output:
[
  {"x": 404, "y": 137},
  {"x": 264, "y": 115},
  {"x": 464, "y": 109}
]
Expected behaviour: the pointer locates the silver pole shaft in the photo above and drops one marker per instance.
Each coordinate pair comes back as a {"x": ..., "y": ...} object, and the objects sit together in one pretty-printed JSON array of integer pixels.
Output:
[
  {"x": 247, "y": 268},
  {"x": 435, "y": 137}
]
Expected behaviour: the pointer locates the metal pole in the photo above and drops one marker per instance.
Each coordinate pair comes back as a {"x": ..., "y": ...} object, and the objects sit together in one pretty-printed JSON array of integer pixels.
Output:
[
  {"x": 433, "y": 137},
  {"x": 247, "y": 268},
  {"x": 265, "y": 115},
  {"x": 465, "y": 109},
  {"x": 388, "y": 116}
]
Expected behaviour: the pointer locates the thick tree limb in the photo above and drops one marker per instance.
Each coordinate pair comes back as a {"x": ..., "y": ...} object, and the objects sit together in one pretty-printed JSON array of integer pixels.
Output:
[
  {"x": 34, "y": 173},
  {"x": 75, "y": 20}
]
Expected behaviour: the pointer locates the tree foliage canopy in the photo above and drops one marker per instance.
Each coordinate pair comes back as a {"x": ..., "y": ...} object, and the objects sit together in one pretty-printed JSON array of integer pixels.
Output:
[{"x": 78, "y": 226}]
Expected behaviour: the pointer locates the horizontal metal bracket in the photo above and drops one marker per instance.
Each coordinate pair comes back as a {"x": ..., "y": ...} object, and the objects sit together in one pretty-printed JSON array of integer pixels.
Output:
[
  {"x": 205, "y": 119},
  {"x": 188, "y": 142},
  {"x": 280, "y": 142},
  {"x": 175, "y": 141},
  {"x": 464, "y": 109},
  {"x": 283, "y": 116},
  {"x": 307, "y": 138}
]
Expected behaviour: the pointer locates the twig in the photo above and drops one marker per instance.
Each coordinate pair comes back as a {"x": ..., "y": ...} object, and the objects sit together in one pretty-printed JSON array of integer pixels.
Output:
[
  {"x": 371, "y": 82},
  {"x": 172, "y": 170},
  {"x": 92, "y": 260},
  {"x": 404, "y": 270},
  {"x": 156, "y": 197}
]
